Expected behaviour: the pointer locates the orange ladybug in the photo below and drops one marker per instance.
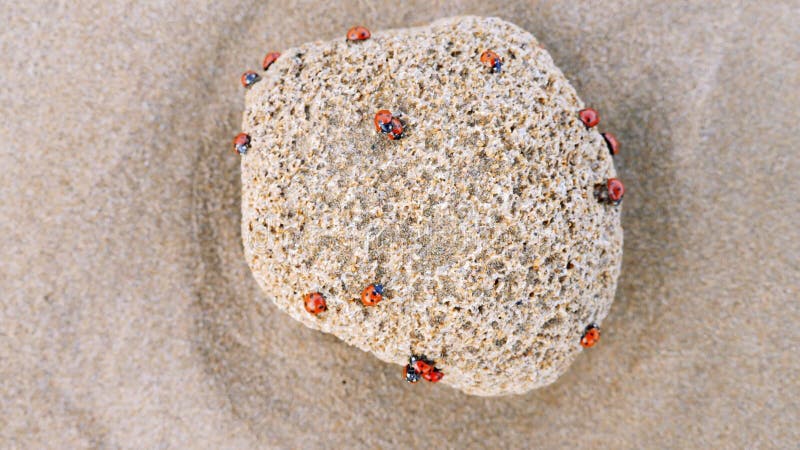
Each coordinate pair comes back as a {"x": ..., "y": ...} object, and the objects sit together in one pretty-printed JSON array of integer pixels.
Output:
[
  {"x": 589, "y": 117},
  {"x": 396, "y": 131},
  {"x": 269, "y": 59},
  {"x": 383, "y": 121},
  {"x": 590, "y": 336},
  {"x": 249, "y": 78},
  {"x": 315, "y": 303},
  {"x": 612, "y": 143},
  {"x": 358, "y": 34},
  {"x": 372, "y": 294},
  {"x": 241, "y": 143},
  {"x": 492, "y": 61}
]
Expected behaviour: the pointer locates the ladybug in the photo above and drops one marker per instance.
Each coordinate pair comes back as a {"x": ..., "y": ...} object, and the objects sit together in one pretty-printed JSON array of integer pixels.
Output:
[
  {"x": 612, "y": 143},
  {"x": 433, "y": 376},
  {"x": 615, "y": 190},
  {"x": 315, "y": 303},
  {"x": 372, "y": 294},
  {"x": 358, "y": 34},
  {"x": 411, "y": 375},
  {"x": 590, "y": 336},
  {"x": 423, "y": 367},
  {"x": 241, "y": 143},
  {"x": 589, "y": 117},
  {"x": 269, "y": 59},
  {"x": 492, "y": 61},
  {"x": 249, "y": 78},
  {"x": 396, "y": 131},
  {"x": 383, "y": 121}
]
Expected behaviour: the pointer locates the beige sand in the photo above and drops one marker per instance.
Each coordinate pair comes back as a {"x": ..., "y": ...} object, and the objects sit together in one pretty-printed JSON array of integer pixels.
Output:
[{"x": 126, "y": 308}]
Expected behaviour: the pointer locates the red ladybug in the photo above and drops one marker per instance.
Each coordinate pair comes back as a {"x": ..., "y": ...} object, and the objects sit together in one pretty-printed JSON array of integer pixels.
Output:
[
  {"x": 589, "y": 117},
  {"x": 315, "y": 303},
  {"x": 396, "y": 131},
  {"x": 590, "y": 336},
  {"x": 420, "y": 366},
  {"x": 383, "y": 121},
  {"x": 615, "y": 190},
  {"x": 372, "y": 294},
  {"x": 492, "y": 61},
  {"x": 410, "y": 375},
  {"x": 269, "y": 59},
  {"x": 241, "y": 143},
  {"x": 433, "y": 376},
  {"x": 249, "y": 78},
  {"x": 612, "y": 143},
  {"x": 358, "y": 34}
]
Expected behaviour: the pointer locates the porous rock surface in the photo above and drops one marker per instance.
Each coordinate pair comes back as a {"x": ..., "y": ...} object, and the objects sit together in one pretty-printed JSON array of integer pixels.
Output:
[{"x": 481, "y": 222}]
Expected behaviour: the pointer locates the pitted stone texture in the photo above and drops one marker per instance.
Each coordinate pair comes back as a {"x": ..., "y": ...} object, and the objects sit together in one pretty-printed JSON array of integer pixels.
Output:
[{"x": 481, "y": 222}]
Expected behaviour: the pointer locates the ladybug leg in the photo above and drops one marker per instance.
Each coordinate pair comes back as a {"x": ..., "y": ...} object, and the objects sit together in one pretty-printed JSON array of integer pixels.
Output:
[{"x": 601, "y": 193}]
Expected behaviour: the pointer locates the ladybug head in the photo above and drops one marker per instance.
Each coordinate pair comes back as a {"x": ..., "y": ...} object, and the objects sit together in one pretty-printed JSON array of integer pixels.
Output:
[
  {"x": 497, "y": 66},
  {"x": 411, "y": 375},
  {"x": 249, "y": 78}
]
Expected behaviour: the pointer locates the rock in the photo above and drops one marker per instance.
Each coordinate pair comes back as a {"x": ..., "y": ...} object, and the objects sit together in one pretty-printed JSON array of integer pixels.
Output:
[{"x": 481, "y": 222}]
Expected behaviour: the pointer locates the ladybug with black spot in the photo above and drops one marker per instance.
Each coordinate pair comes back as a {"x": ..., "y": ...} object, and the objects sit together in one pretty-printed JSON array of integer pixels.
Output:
[
  {"x": 421, "y": 367},
  {"x": 491, "y": 60},
  {"x": 590, "y": 336},
  {"x": 358, "y": 33},
  {"x": 383, "y": 121},
  {"x": 372, "y": 294},
  {"x": 611, "y": 192},
  {"x": 589, "y": 117},
  {"x": 241, "y": 143},
  {"x": 315, "y": 303},
  {"x": 615, "y": 190}
]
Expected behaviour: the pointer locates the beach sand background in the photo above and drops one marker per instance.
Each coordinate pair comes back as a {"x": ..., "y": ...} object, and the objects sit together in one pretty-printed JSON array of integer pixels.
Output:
[{"x": 129, "y": 318}]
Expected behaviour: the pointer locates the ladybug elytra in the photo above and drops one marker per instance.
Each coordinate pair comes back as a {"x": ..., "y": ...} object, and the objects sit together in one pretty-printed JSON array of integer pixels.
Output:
[
  {"x": 358, "y": 33},
  {"x": 315, "y": 303},
  {"x": 589, "y": 117},
  {"x": 590, "y": 336},
  {"x": 612, "y": 143},
  {"x": 615, "y": 190},
  {"x": 372, "y": 294},
  {"x": 422, "y": 367},
  {"x": 269, "y": 59},
  {"x": 433, "y": 376}
]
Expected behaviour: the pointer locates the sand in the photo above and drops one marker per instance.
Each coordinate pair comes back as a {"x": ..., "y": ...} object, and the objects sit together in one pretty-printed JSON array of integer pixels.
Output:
[{"x": 127, "y": 308}]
